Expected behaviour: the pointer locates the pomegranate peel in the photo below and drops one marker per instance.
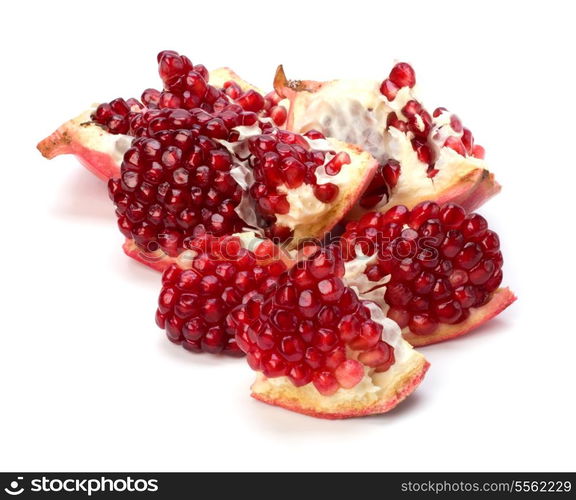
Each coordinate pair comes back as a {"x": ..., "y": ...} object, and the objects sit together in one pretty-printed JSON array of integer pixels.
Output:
[
  {"x": 501, "y": 299},
  {"x": 219, "y": 76},
  {"x": 157, "y": 260},
  {"x": 97, "y": 150},
  {"x": 392, "y": 387}
]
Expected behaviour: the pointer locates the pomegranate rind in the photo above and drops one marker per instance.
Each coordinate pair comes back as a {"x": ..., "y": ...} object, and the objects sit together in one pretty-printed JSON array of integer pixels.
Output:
[
  {"x": 219, "y": 76},
  {"x": 501, "y": 299},
  {"x": 397, "y": 383},
  {"x": 158, "y": 260},
  {"x": 97, "y": 150}
]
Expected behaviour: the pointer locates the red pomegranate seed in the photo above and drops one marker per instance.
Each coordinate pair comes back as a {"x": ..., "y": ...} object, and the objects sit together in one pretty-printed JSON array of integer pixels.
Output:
[
  {"x": 467, "y": 140},
  {"x": 251, "y": 101},
  {"x": 334, "y": 166},
  {"x": 478, "y": 152},
  {"x": 422, "y": 324},
  {"x": 403, "y": 75},
  {"x": 279, "y": 115},
  {"x": 326, "y": 193},
  {"x": 389, "y": 89},
  {"x": 455, "y": 144},
  {"x": 452, "y": 215}
]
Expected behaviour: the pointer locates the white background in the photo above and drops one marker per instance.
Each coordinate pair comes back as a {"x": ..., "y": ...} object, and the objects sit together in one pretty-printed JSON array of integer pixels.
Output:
[{"x": 88, "y": 382}]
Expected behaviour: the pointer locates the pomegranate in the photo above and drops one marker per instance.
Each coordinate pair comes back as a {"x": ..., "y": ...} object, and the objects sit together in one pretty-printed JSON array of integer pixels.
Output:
[
  {"x": 439, "y": 268},
  {"x": 319, "y": 348},
  {"x": 423, "y": 155},
  {"x": 101, "y": 151},
  {"x": 210, "y": 160},
  {"x": 207, "y": 281}
]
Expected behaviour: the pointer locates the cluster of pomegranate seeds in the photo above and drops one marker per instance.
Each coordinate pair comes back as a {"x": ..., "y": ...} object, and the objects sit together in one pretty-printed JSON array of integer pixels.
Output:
[
  {"x": 118, "y": 115},
  {"x": 306, "y": 327},
  {"x": 382, "y": 183},
  {"x": 441, "y": 262},
  {"x": 175, "y": 186},
  {"x": 195, "y": 301},
  {"x": 463, "y": 141},
  {"x": 401, "y": 75},
  {"x": 418, "y": 121},
  {"x": 186, "y": 87},
  {"x": 282, "y": 158}
]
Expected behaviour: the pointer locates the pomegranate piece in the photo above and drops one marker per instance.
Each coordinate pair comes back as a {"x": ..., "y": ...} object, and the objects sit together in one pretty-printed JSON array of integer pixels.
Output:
[
  {"x": 436, "y": 156},
  {"x": 315, "y": 333},
  {"x": 444, "y": 269},
  {"x": 198, "y": 293},
  {"x": 167, "y": 193}
]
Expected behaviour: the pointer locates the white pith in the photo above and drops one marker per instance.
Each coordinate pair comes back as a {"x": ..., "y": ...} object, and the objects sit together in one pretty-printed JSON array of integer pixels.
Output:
[{"x": 356, "y": 112}]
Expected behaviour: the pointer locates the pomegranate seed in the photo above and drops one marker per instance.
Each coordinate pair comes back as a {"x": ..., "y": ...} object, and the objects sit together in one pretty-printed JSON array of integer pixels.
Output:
[
  {"x": 403, "y": 75},
  {"x": 349, "y": 373},
  {"x": 251, "y": 101},
  {"x": 423, "y": 212},
  {"x": 474, "y": 227},
  {"x": 467, "y": 140},
  {"x": 455, "y": 144},
  {"x": 448, "y": 312},
  {"x": 279, "y": 115},
  {"x": 326, "y": 193},
  {"x": 389, "y": 89},
  {"x": 478, "y": 152},
  {"x": 334, "y": 166},
  {"x": 422, "y": 324}
]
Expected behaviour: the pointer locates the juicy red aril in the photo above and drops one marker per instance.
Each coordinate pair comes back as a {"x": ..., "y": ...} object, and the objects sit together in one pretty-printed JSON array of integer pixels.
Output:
[
  {"x": 194, "y": 303},
  {"x": 178, "y": 196},
  {"x": 403, "y": 75},
  {"x": 382, "y": 183},
  {"x": 444, "y": 263},
  {"x": 251, "y": 101},
  {"x": 279, "y": 115},
  {"x": 389, "y": 89},
  {"x": 456, "y": 144},
  {"x": 326, "y": 193},
  {"x": 330, "y": 320}
]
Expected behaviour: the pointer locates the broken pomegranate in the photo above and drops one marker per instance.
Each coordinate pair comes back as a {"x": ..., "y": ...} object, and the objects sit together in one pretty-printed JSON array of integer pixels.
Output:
[
  {"x": 423, "y": 155},
  {"x": 210, "y": 160},
  {"x": 100, "y": 136},
  {"x": 207, "y": 281},
  {"x": 441, "y": 268},
  {"x": 320, "y": 349}
]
